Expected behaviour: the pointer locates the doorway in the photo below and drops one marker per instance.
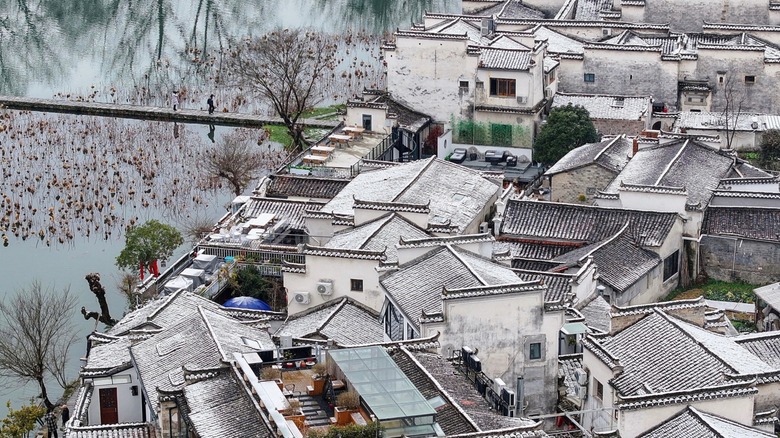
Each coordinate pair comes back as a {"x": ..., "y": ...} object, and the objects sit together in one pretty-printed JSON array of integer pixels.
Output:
[
  {"x": 109, "y": 414},
  {"x": 367, "y": 122}
]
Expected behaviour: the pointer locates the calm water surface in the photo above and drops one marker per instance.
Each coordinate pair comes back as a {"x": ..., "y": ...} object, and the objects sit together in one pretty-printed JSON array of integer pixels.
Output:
[{"x": 50, "y": 47}]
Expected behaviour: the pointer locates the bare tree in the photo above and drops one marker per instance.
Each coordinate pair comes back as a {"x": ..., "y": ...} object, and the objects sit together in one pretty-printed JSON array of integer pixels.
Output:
[
  {"x": 734, "y": 100},
  {"x": 97, "y": 288},
  {"x": 236, "y": 160},
  {"x": 36, "y": 333},
  {"x": 287, "y": 67}
]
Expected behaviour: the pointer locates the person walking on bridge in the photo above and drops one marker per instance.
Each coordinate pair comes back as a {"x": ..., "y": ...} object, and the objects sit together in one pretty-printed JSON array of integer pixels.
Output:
[
  {"x": 175, "y": 100},
  {"x": 210, "y": 103},
  {"x": 50, "y": 420}
]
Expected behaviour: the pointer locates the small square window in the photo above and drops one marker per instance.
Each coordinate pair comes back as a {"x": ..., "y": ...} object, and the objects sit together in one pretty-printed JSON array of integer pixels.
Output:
[
  {"x": 356, "y": 285},
  {"x": 535, "y": 351},
  {"x": 590, "y": 77},
  {"x": 750, "y": 79},
  {"x": 464, "y": 85},
  {"x": 599, "y": 389}
]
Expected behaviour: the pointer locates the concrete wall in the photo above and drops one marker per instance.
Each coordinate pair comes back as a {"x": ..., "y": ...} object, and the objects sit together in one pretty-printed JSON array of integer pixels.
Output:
[
  {"x": 129, "y": 406},
  {"x": 586, "y": 180},
  {"x": 426, "y": 74},
  {"x": 378, "y": 119},
  {"x": 503, "y": 339},
  {"x": 689, "y": 15},
  {"x": 733, "y": 259},
  {"x": 618, "y": 127},
  {"x": 620, "y": 71},
  {"x": 340, "y": 271}
]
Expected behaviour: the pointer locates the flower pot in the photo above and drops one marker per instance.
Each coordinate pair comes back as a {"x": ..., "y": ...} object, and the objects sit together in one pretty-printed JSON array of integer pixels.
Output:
[
  {"x": 318, "y": 385},
  {"x": 298, "y": 418},
  {"x": 343, "y": 415}
]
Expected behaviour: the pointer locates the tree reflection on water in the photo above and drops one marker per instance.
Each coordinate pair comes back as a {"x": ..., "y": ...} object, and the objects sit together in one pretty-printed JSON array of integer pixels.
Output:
[{"x": 67, "y": 45}]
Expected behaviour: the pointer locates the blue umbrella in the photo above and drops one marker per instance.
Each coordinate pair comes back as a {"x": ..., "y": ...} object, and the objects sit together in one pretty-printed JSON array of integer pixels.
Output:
[{"x": 247, "y": 303}]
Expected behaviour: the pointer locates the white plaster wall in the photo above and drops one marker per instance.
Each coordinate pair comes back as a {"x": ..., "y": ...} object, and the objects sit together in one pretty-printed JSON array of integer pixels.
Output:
[
  {"x": 597, "y": 420},
  {"x": 426, "y": 74},
  {"x": 340, "y": 271},
  {"x": 502, "y": 339},
  {"x": 653, "y": 201},
  {"x": 378, "y": 119},
  {"x": 767, "y": 397},
  {"x": 129, "y": 406},
  {"x": 635, "y": 422},
  {"x": 320, "y": 230},
  {"x": 524, "y": 87}
]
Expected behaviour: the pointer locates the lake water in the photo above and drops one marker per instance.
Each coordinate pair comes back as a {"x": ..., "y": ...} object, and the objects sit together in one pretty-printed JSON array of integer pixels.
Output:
[{"x": 60, "y": 47}]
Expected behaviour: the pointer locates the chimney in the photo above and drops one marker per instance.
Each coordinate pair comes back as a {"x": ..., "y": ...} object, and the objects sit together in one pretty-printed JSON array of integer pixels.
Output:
[{"x": 635, "y": 149}]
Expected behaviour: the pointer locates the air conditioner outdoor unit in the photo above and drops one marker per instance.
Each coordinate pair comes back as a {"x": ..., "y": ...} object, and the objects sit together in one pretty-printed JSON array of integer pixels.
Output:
[
  {"x": 325, "y": 287},
  {"x": 522, "y": 99},
  {"x": 302, "y": 297}
]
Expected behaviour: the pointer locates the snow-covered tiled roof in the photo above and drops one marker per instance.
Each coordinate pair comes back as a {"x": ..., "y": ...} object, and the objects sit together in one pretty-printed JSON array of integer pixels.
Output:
[
  {"x": 108, "y": 357},
  {"x": 505, "y": 59},
  {"x": 221, "y": 407},
  {"x": 605, "y": 106},
  {"x": 682, "y": 163},
  {"x": 202, "y": 340},
  {"x": 612, "y": 154},
  {"x": 290, "y": 210},
  {"x": 765, "y": 345},
  {"x": 558, "y": 43},
  {"x": 662, "y": 356},
  {"x": 582, "y": 223},
  {"x": 597, "y": 313},
  {"x": 343, "y": 320},
  {"x": 694, "y": 423},
  {"x": 380, "y": 234},
  {"x": 456, "y": 200},
  {"x": 417, "y": 285}
]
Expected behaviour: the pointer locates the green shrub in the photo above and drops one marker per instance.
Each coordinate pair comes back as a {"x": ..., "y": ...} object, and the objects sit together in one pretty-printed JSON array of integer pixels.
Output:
[{"x": 371, "y": 430}]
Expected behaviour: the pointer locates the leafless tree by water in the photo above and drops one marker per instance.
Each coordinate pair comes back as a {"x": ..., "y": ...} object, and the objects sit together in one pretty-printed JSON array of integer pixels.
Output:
[
  {"x": 287, "y": 68},
  {"x": 36, "y": 333},
  {"x": 240, "y": 160}
]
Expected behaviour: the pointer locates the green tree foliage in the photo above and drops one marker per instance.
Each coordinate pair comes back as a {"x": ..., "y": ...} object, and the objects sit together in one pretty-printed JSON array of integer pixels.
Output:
[
  {"x": 249, "y": 282},
  {"x": 567, "y": 128},
  {"x": 148, "y": 242},
  {"x": 770, "y": 148},
  {"x": 21, "y": 422},
  {"x": 370, "y": 430}
]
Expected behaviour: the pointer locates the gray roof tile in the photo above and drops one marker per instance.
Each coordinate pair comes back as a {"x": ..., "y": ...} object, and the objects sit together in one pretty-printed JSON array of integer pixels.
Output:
[
  {"x": 417, "y": 285},
  {"x": 692, "y": 423},
  {"x": 581, "y": 223},
  {"x": 765, "y": 345},
  {"x": 607, "y": 106},
  {"x": 457, "y": 199},
  {"x": 343, "y": 320},
  {"x": 106, "y": 356},
  {"x": 687, "y": 164},
  {"x": 748, "y": 222},
  {"x": 620, "y": 261},
  {"x": 504, "y": 59},
  {"x": 304, "y": 186},
  {"x": 220, "y": 407},
  {"x": 380, "y": 234},
  {"x": 290, "y": 210},
  {"x": 612, "y": 154},
  {"x": 199, "y": 341}
]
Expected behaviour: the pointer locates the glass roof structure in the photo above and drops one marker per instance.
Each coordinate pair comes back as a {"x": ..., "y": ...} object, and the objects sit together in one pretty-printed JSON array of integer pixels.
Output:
[{"x": 384, "y": 388}]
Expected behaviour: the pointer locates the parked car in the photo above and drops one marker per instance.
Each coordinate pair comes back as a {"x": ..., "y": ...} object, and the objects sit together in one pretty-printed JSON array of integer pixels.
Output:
[{"x": 458, "y": 155}]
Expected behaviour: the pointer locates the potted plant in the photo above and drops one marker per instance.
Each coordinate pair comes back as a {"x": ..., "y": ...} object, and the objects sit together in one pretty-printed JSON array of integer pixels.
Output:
[
  {"x": 347, "y": 403},
  {"x": 318, "y": 378},
  {"x": 295, "y": 413},
  {"x": 269, "y": 373}
]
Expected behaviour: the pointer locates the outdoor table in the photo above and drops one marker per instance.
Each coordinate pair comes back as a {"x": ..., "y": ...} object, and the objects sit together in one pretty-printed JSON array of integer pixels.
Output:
[
  {"x": 340, "y": 139},
  {"x": 324, "y": 151},
  {"x": 314, "y": 159},
  {"x": 354, "y": 132}
]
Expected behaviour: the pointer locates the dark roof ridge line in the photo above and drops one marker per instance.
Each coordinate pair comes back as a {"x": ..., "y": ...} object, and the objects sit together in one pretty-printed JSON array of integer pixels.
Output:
[
  {"x": 416, "y": 177},
  {"x": 672, "y": 162},
  {"x": 605, "y": 242},
  {"x": 466, "y": 264},
  {"x": 336, "y": 309},
  {"x": 212, "y": 334}
]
